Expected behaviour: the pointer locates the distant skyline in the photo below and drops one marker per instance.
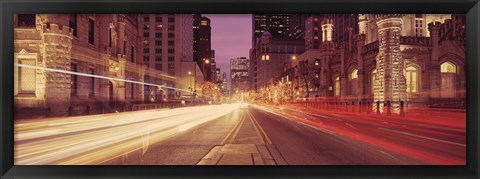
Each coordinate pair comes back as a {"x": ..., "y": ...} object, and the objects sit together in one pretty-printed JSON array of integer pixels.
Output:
[{"x": 231, "y": 37}]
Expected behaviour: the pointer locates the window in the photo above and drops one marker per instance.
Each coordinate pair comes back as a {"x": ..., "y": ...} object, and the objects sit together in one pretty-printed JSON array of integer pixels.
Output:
[
  {"x": 158, "y": 19},
  {"x": 158, "y": 50},
  {"x": 146, "y": 58},
  {"x": 146, "y": 26},
  {"x": 146, "y": 50},
  {"x": 171, "y": 43},
  {"x": 146, "y": 19},
  {"x": 92, "y": 83},
  {"x": 171, "y": 59},
  {"x": 146, "y": 34},
  {"x": 26, "y": 20},
  {"x": 171, "y": 51},
  {"x": 171, "y": 35},
  {"x": 74, "y": 81},
  {"x": 26, "y": 77},
  {"x": 158, "y": 66},
  {"x": 171, "y": 27},
  {"x": 337, "y": 86},
  {"x": 132, "y": 54},
  {"x": 158, "y": 58},
  {"x": 171, "y": 69},
  {"x": 91, "y": 31},
  {"x": 448, "y": 75},
  {"x": 158, "y": 35},
  {"x": 171, "y": 19},
  {"x": 411, "y": 74},
  {"x": 354, "y": 74},
  {"x": 158, "y": 42},
  {"x": 72, "y": 23},
  {"x": 353, "y": 82}
]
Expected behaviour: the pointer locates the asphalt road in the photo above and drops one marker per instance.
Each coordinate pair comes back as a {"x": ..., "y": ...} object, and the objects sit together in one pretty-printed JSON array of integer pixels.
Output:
[
  {"x": 288, "y": 142},
  {"x": 230, "y": 134}
]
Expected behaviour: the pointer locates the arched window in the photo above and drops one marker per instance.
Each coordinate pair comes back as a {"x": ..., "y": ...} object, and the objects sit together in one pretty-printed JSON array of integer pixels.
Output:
[
  {"x": 448, "y": 72},
  {"x": 354, "y": 74},
  {"x": 353, "y": 82},
  {"x": 411, "y": 74},
  {"x": 337, "y": 86}
]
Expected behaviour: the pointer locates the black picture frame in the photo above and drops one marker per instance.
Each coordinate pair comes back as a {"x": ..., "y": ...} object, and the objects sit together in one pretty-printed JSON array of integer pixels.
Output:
[{"x": 9, "y": 7}]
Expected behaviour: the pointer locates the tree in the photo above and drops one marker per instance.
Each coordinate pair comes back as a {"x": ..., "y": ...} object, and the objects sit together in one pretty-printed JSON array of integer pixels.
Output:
[{"x": 309, "y": 74}]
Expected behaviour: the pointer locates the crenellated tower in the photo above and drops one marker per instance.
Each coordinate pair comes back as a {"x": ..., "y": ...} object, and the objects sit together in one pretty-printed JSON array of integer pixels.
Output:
[{"x": 390, "y": 81}]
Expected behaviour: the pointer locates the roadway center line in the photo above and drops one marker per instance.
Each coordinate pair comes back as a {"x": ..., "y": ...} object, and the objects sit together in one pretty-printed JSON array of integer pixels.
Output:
[
  {"x": 256, "y": 128},
  {"x": 237, "y": 130},
  {"x": 260, "y": 127},
  {"x": 231, "y": 131}
]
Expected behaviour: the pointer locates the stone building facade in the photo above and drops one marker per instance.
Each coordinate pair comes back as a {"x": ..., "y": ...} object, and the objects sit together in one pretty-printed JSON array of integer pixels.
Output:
[
  {"x": 93, "y": 55},
  {"x": 415, "y": 58},
  {"x": 270, "y": 57}
]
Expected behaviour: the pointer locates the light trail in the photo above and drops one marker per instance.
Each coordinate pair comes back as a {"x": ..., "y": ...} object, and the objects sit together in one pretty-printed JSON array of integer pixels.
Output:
[
  {"x": 94, "y": 141},
  {"x": 102, "y": 77}
]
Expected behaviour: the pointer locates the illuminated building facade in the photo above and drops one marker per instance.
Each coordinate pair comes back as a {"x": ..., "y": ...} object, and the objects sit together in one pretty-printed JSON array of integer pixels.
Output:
[
  {"x": 415, "y": 58},
  {"x": 239, "y": 74},
  {"x": 105, "y": 45}
]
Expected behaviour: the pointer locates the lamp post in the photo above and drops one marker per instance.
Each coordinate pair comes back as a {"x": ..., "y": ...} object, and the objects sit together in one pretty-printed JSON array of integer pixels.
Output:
[{"x": 205, "y": 61}]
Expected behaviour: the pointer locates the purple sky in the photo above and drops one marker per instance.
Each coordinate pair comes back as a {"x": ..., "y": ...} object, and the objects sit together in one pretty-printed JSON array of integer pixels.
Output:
[{"x": 231, "y": 37}]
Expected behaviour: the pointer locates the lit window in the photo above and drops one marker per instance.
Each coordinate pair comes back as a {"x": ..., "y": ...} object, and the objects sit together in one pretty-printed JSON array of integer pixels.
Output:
[
  {"x": 448, "y": 67},
  {"x": 337, "y": 86},
  {"x": 412, "y": 79},
  {"x": 354, "y": 74}
]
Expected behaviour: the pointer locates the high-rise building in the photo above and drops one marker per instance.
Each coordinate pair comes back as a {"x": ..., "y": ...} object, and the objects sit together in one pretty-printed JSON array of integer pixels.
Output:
[
  {"x": 204, "y": 41},
  {"x": 344, "y": 27},
  {"x": 196, "y": 40},
  {"x": 277, "y": 24},
  {"x": 239, "y": 74},
  {"x": 297, "y": 25},
  {"x": 167, "y": 42},
  {"x": 271, "y": 56}
]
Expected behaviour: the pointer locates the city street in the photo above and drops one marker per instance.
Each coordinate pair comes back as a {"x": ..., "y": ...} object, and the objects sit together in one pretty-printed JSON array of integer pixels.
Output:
[{"x": 241, "y": 134}]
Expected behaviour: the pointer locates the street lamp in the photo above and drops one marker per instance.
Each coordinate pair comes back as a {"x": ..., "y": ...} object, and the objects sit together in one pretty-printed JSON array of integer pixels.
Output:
[
  {"x": 205, "y": 61},
  {"x": 191, "y": 77}
]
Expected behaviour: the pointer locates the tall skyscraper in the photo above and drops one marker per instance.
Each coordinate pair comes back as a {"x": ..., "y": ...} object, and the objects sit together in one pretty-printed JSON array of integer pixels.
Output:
[
  {"x": 204, "y": 58},
  {"x": 167, "y": 42},
  {"x": 277, "y": 24},
  {"x": 297, "y": 25}
]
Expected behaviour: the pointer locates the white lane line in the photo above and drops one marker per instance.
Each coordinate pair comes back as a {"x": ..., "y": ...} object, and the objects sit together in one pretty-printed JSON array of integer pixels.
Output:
[{"x": 423, "y": 137}]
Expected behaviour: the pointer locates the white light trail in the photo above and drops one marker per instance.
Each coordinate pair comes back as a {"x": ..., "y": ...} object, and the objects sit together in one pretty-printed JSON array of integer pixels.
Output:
[
  {"x": 94, "y": 141},
  {"x": 101, "y": 77}
]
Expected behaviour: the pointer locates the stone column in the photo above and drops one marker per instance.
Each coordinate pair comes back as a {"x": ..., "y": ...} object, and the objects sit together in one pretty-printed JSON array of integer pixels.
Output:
[
  {"x": 121, "y": 34},
  {"x": 56, "y": 49},
  {"x": 343, "y": 76},
  {"x": 390, "y": 85},
  {"x": 434, "y": 72},
  {"x": 359, "y": 42},
  {"x": 362, "y": 23}
]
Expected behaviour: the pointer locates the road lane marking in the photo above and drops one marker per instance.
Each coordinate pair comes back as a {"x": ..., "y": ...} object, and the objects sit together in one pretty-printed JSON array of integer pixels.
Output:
[
  {"x": 423, "y": 137},
  {"x": 260, "y": 127},
  {"x": 231, "y": 131},
  {"x": 256, "y": 128},
  {"x": 237, "y": 130}
]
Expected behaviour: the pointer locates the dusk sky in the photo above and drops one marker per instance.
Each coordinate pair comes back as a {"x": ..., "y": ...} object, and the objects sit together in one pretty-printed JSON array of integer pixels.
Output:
[{"x": 231, "y": 37}]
